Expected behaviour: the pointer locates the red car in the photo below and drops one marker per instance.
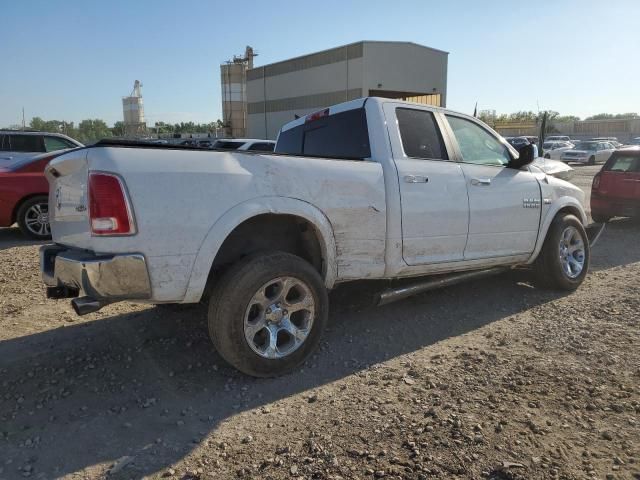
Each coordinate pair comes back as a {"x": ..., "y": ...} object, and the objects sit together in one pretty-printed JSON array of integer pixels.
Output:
[
  {"x": 616, "y": 188},
  {"x": 24, "y": 194}
]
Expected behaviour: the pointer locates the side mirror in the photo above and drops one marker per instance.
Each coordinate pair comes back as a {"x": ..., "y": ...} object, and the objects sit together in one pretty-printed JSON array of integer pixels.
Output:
[{"x": 526, "y": 156}]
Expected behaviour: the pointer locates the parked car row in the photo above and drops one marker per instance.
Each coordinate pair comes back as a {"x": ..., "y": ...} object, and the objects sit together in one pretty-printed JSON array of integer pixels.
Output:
[{"x": 24, "y": 190}]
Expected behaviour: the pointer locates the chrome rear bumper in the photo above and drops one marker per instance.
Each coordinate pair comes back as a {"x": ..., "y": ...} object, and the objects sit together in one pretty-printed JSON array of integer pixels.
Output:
[{"x": 107, "y": 278}]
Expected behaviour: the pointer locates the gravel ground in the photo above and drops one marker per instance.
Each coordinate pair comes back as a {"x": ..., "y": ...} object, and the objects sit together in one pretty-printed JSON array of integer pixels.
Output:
[{"x": 493, "y": 379}]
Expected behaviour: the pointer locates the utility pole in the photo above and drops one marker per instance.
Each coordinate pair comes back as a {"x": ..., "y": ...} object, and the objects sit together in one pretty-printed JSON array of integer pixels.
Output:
[{"x": 23, "y": 124}]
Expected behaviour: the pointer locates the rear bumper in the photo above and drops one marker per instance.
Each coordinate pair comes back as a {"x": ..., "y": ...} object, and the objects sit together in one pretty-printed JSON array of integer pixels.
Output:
[
  {"x": 106, "y": 278},
  {"x": 614, "y": 207}
]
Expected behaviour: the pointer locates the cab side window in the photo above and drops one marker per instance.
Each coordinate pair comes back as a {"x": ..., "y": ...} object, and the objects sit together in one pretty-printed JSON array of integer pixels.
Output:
[
  {"x": 420, "y": 134},
  {"x": 477, "y": 145}
]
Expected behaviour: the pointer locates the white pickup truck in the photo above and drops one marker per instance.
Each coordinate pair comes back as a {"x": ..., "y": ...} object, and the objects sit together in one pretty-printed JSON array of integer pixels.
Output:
[{"x": 369, "y": 189}]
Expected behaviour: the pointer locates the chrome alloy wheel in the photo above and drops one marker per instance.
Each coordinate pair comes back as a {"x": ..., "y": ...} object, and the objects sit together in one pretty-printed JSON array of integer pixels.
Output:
[
  {"x": 37, "y": 219},
  {"x": 279, "y": 317},
  {"x": 572, "y": 252}
]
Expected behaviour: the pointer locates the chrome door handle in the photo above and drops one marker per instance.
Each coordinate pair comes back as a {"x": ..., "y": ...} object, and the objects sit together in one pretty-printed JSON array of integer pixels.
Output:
[
  {"x": 416, "y": 179},
  {"x": 480, "y": 181}
]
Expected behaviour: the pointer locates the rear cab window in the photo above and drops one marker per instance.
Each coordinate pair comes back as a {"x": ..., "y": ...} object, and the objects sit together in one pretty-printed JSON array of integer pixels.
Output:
[{"x": 343, "y": 135}]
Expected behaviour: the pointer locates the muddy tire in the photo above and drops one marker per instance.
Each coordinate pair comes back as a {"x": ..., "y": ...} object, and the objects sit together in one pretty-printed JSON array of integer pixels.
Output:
[
  {"x": 563, "y": 262},
  {"x": 33, "y": 218},
  {"x": 267, "y": 313}
]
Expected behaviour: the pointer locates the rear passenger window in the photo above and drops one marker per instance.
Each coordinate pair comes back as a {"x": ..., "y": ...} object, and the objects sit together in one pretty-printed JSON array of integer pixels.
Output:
[
  {"x": 26, "y": 143},
  {"x": 420, "y": 134},
  {"x": 341, "y": 135}
]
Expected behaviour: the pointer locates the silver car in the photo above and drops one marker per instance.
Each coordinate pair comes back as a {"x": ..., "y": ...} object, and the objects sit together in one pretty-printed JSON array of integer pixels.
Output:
[{"x": 589, "y": 152}]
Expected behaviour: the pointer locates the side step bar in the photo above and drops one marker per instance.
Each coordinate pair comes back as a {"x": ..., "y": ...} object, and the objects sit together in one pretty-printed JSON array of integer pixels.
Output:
[{"x": 395, "y": 294}]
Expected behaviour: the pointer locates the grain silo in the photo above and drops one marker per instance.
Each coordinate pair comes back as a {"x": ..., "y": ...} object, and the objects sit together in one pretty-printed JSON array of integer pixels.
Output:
[
  {"x": 233, "y": 78},
  {"x": 133, "y": 110}
]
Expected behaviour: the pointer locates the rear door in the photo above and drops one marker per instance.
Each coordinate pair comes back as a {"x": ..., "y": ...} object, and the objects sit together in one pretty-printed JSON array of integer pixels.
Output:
[
  {"x": 504, "y": 203},
  {"x": 433, "y": 192}
]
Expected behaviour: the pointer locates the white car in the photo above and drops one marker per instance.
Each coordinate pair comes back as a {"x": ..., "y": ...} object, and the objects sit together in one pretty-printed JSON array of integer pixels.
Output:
[
  {"x": 251, "y": 144},
  {"x": 589, "y": 152},
  {"x": 557, "y": 138},
  {"x": 369, "y": 189},
  {"x": 555, "y": 149},
  {"x": 555, "y": 168}
]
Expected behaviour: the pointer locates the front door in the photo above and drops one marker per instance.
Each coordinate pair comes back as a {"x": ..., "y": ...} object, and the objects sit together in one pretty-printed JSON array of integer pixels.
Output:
[
  {"x": 504, "y": 203},
  {"x": 433, "y": 191}
]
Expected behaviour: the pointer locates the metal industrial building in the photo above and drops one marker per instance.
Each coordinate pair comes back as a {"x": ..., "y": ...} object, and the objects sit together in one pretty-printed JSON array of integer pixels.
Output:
[
  {"x": 133, "y": 112},
  {"x": 233, "y": 79},
  {"x": 276, "y": 93}
]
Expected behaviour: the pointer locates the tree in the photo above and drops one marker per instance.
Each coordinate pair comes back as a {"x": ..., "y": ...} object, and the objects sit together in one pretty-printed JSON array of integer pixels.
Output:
[
  {"x": 90, "y": 131},
  {"x": 610, "y": 116},
  {"x": 118, "y": 129}
]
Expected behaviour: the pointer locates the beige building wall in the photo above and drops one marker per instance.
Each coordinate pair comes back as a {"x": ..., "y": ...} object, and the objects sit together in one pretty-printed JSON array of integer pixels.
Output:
[
  {"x": 276, "y": 93},
  {"x": 405, "y": 67}
]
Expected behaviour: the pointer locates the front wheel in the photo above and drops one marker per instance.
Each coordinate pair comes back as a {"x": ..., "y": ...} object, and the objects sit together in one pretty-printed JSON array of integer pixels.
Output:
[
  {"x": 564, "y": 260},
  {"x": 33, "y": 218},
  {"x": 547, "y": 156},
  {"x": 592, "y": 160},
  {"x": 267, "y": 313}
]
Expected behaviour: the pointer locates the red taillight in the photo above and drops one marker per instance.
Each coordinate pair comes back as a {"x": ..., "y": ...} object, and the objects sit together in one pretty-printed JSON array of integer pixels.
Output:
[
  {"x": 316, "y": 115},
  {"x": 109, "y": 209},
  {"x": 596, "y": 181}
]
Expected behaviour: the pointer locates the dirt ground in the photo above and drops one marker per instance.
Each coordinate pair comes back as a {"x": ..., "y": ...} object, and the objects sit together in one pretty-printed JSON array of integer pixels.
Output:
[{"x": 490, "y": 379}]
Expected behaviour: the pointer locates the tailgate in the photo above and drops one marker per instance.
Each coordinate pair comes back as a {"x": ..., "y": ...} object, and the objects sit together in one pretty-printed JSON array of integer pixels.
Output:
[{"x": 68, "y": 203}]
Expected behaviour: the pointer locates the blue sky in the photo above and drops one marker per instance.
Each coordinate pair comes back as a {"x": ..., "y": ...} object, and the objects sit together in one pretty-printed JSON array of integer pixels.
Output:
[{"x": 70, "y": 60}]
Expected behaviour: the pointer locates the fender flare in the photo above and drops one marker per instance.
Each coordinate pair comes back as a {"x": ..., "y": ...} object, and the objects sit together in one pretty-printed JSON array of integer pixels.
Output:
[
  {"x": 242, "y": 212},
  {"x": 559, "y": 204}
]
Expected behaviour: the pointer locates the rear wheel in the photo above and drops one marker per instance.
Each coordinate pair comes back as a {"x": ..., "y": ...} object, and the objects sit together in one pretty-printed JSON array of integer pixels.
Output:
[
  {"x": 267, "y": 313},
  {"x": 33, "y": 218},
  {"x": 564, "y": 260},
  {"x": 547, "y": 156},
  {"x": 592, "y": 160}
]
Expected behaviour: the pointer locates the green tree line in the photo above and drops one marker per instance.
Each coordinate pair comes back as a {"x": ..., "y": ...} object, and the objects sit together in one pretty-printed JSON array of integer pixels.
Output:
[
  {"x": 533, "y": 117},
  {"x": 91, "y": 130}
]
